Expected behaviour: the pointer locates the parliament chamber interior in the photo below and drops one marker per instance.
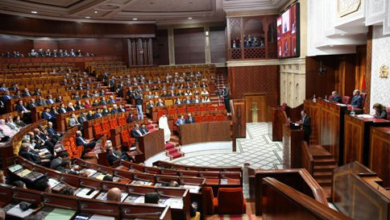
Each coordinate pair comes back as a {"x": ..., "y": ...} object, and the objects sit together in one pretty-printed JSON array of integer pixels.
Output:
[{"x": 194, "y": 109}]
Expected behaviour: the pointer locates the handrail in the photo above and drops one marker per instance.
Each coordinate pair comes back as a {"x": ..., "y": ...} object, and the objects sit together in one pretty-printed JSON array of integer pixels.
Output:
[{"x": 309, "y": 205}]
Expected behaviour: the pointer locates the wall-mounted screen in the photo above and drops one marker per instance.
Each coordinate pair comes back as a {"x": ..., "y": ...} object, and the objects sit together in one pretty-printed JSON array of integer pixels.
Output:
[{"x": 288, "y": 33}]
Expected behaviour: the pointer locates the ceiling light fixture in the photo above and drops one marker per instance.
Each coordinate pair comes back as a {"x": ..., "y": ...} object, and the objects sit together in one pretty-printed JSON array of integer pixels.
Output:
[
  {"x": 189, "y": 18},
  {"x": 96, "y": 12},
  {"x": 134, "y": 19},
  {"x": 34, "y": 12},
  {"x": 87, "y": 17}
]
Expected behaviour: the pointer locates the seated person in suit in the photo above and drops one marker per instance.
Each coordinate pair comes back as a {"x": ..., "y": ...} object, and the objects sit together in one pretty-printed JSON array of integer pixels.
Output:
[
  {"x": 98, "y": 113},
  {"x": 49, "y": 99},
  {"x": 180, "y": 121},
  {"x": 111, "y": 100},
  {"x": 190, "y": 119},
  {"x": 178, "y": 101},
  {"x": 31, "y": 104},
  {"x": 103, "y": 101},
  {"x": 149, "y": 109},
  {"x": 90, "y": 115},
  {"x": 6, "y": 130},
  {"x": 73, "y": 122},
  {"x": 105, "y": 111},
  {"x": 80, "y": 141},
  {"x": 336, "y": 97},
  {"x": 79, "y": 105},
  {"x": 26, "y": 93},
  {"x": 121, "y": 108},
  {"x": 82, "y": 117},
  {"x": 18, "y": 121},
  {"x": 31, "y": 155},
  {"x": 131, "y": 118},
  {"x": 62, "y": 109},
  {"x": 44, "y": 140},
  {"x": 187, "y": 100},
  {"x": 54, "y": 112},
  {"x": 136, "y": 132},
  {"x": 46, "y": 115},
  {"x": 357, "y": 100},
  {"x": 114, "y": 109},
  {"x": 66, "y": 167},
  {"x": 21, "y": 108},
  {"x": 143, "y": 129},
  {"x": 380, "y": 111},
  {"x": 205, "y": 99},
  {"x": 10, "y": 123},
  {"x": 70, "y": 107},
  {"x": 114, "y": 155},
  {"x": 96, "y": 103},
  {"x": 160, "y": 103},
  {"x": 56, "y": 162},
  {"x": 51, "y": 131},
  {"x": 196, "y": 100}
]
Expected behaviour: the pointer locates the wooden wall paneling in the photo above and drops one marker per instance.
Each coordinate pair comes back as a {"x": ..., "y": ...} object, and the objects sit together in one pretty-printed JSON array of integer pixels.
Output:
[
  {"x": 161, "y": 48},
  {"x": 218, "y": 44},
  {"x": 13, "y": 43},
  {"x": 292, "y": 148},
  {"x": 368, "y": 70},
  {"x": 316, "y": 84},
  {"x": 239, "y": 117},
  {"x": 380, "y": 153},
  {"x": 99, "y": 47},
  {"x": 23, "y": 26},
  {"x": 261, "y": 100},
  {"x": 330, "y": 130},
  {"x": 249, "y": 79},
  {"x": 361, "y": 65},
  {"x": 189, "y": 46}
]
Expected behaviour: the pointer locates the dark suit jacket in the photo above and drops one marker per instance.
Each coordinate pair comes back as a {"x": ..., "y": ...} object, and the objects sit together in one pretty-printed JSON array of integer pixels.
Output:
[
  {"x": 51, "y": 132},
  {"x": 134, "y": 133},
  {"x": 79, "y": 141},
  {"x": 112, "y": 158},
  {"x": 336, "y": 98},
  {"x": 188, "y": 120},
  {"x": 47, "y": 116},
  {"x": 357, "y": 101},
  {"x": 98, "y": 115},
  {"x": 61, "y": 111},
  {"x": 70, "y": 109},
  {"x": 144, "y": 130},
  {"x": 306, "y": 124},
  {"x": 82, "y": 119},
  {"x": 19, "y": 108},
  {"x": 30, "y": 156},
  {"x": 90, "y": 117},
  {"x": 56, "y": 162}
]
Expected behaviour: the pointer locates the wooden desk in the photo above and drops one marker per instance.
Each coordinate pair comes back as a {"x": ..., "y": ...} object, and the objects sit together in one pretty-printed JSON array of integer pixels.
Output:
[
  {"x": 379, "y": 160},
  {"x": 357, "y": 193},
  {"x": 357, "y": 137},
  {"x": 292, "y": 150},
  {"x": 278, "y": 119},
  {"x": 328, "y": 124},
  {"x": 151, "y": 144},
  {"x": 205, "y": 132}
]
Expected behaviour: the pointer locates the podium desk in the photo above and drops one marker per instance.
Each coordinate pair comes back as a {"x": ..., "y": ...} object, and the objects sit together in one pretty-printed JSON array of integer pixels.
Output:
[
  {"x": 205, "y": 132},
  {"x": 379, "y": 160},
  {"x": 278, "y": 118},
  {"x": 292, "y": 148},
  {"x": 357, "y": 137},
  {"x": 151, "y": 144}
]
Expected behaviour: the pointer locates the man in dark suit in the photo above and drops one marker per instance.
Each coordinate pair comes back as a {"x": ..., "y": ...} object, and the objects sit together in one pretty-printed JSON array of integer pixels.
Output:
[
  {"x": 90, "y": 115},
  {"x": 121, "y": 108},
  {"x": 31, "y": 104},
  {"x": 306, "y": 126},
  {"x": 105, "y": 111},
  {"x": 26, "y": 93},
  {"x": 136, "y": 132},
  {"x": 47, "y": 115},
  {"x": 21, "y": 108},
  {"x": 143, "y": 129},
  {"x": 82, "y": 118},
  {"x": 357, "y": 100},
  {"x": 114, "y": 155},
  {"x": 56, "y": 162},
  {"x": 336, "y": 97},
  {"x": 80, "y": 141},
  {"x": 114, "y": 109},
  {"x": 225, "y": 93},
  {"x": 51, "y": 131},
  {"x": 98, "y": 113},
  {"x": 190, "y": 119},
  {"x": 29, "y": 154},
  {"x": 70, "y": 107},
  {"x": 50, "y": 99}
]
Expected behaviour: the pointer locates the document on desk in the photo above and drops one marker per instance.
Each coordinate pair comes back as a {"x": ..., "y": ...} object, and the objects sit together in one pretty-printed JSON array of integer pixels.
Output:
[
  {"x": 101, "y": 217},
  {"x": 18, "y": 212},
  {"x": 86, "y": 193},
  {"x": 175, "y": 203},
  {"x": 90, "y": 171},
  {"x": 140, "y": 182},
  {"x": 365, "y": 116},
  {"x": 103, "y": 196},
  {"x": 60, "y": 214},
  {"x": 53, "y": 182},
  {"x": 135, "y": 199},
  {"x": 192, "y": 189}
]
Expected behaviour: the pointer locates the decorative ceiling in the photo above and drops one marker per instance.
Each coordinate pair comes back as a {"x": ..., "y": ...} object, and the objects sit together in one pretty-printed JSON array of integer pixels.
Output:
[{"x": 164, "y": 12}]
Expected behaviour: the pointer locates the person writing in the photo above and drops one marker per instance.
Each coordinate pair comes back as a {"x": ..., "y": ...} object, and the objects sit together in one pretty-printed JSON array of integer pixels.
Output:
[{"x": 380, "y": 111}]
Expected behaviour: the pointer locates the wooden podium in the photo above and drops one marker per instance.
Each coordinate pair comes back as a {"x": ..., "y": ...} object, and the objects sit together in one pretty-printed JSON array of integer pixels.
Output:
[
  {"x": 278, "y": 119},
  {"x": 205, "y": 132},
  {"x": 292, "y": 148},
  {"x": 150, "y": 145}
]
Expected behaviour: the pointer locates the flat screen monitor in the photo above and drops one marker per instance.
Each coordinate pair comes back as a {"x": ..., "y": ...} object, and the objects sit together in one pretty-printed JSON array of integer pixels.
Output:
[{"x": 288, "y": 33}]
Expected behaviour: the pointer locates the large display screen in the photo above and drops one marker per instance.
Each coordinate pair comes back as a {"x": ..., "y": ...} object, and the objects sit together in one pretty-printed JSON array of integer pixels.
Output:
[{"x": 288, "y": 33}]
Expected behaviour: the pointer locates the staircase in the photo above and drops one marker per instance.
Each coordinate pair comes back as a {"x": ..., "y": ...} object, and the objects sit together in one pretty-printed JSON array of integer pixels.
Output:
[
  {"x": 323, "y": 166},
  {"x": 220, "y": 80}
]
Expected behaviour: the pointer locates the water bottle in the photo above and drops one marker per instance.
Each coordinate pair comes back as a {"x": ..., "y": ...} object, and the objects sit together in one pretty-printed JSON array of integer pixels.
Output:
[
  {"x": 314, "y": 98},
  {"x": 352, "y": 112},
  {"x": 326, "y": 98}
]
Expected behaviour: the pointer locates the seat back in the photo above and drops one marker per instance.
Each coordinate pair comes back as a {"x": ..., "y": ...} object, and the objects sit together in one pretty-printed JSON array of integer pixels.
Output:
[
  {"x": 220, "y": 118},
  {"x": 208, "y": 197},
  {"x": 346, "y": 99},
  {"x": 388, "y": 113},
  {"x": 122, "y": 121},
  {"x": 231, "y": 201},
  {"x": 113, "y": 123},
  {"x": 363, "y": 95}
]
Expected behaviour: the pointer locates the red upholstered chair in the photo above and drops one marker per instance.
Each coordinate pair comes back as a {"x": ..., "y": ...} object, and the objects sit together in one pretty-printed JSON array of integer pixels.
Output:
[
  {"x": 363, "y": 95},
  {"x": 191, "y": 109},
  {"x": 208, "y": 200},
  {"x": 220, "y": 118},
  {"x": 230, "y": 201},
  {"x": 198, "y": 118},
  {"x": 97, "y": 128},
  {"x": 211, "y": 108},
  {"x": 208, "y": 118},
  {"x": 161, "y": 112},
  {"x": 122, "y": 121},
  {"x": 113, "y": 123},
  {"x": 346, "y": 99},
  {"x": 181, "y": 111},
  {"x": 202, "y": 108},
  {"x": 221, "y": 107},
  {"x": 388, "y": 113},
  {"x": 106, "y": 128}
]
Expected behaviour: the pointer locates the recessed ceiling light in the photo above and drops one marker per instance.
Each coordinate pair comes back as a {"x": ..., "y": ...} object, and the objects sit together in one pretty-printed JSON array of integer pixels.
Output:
[
  {"x": 134, "y": 19},
  {"x": 331, "y": 45},
  {"x": 34, "y": 12},
  {"x": 189, "y": 18},
  {"x": 96, "y": 12},
  {"x": 87, "y": 17},
  {"x": 342, "y": 34}
]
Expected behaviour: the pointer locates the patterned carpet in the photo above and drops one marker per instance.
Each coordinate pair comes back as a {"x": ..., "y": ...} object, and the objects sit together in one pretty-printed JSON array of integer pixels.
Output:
[{"x": 257, "y": 149}]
